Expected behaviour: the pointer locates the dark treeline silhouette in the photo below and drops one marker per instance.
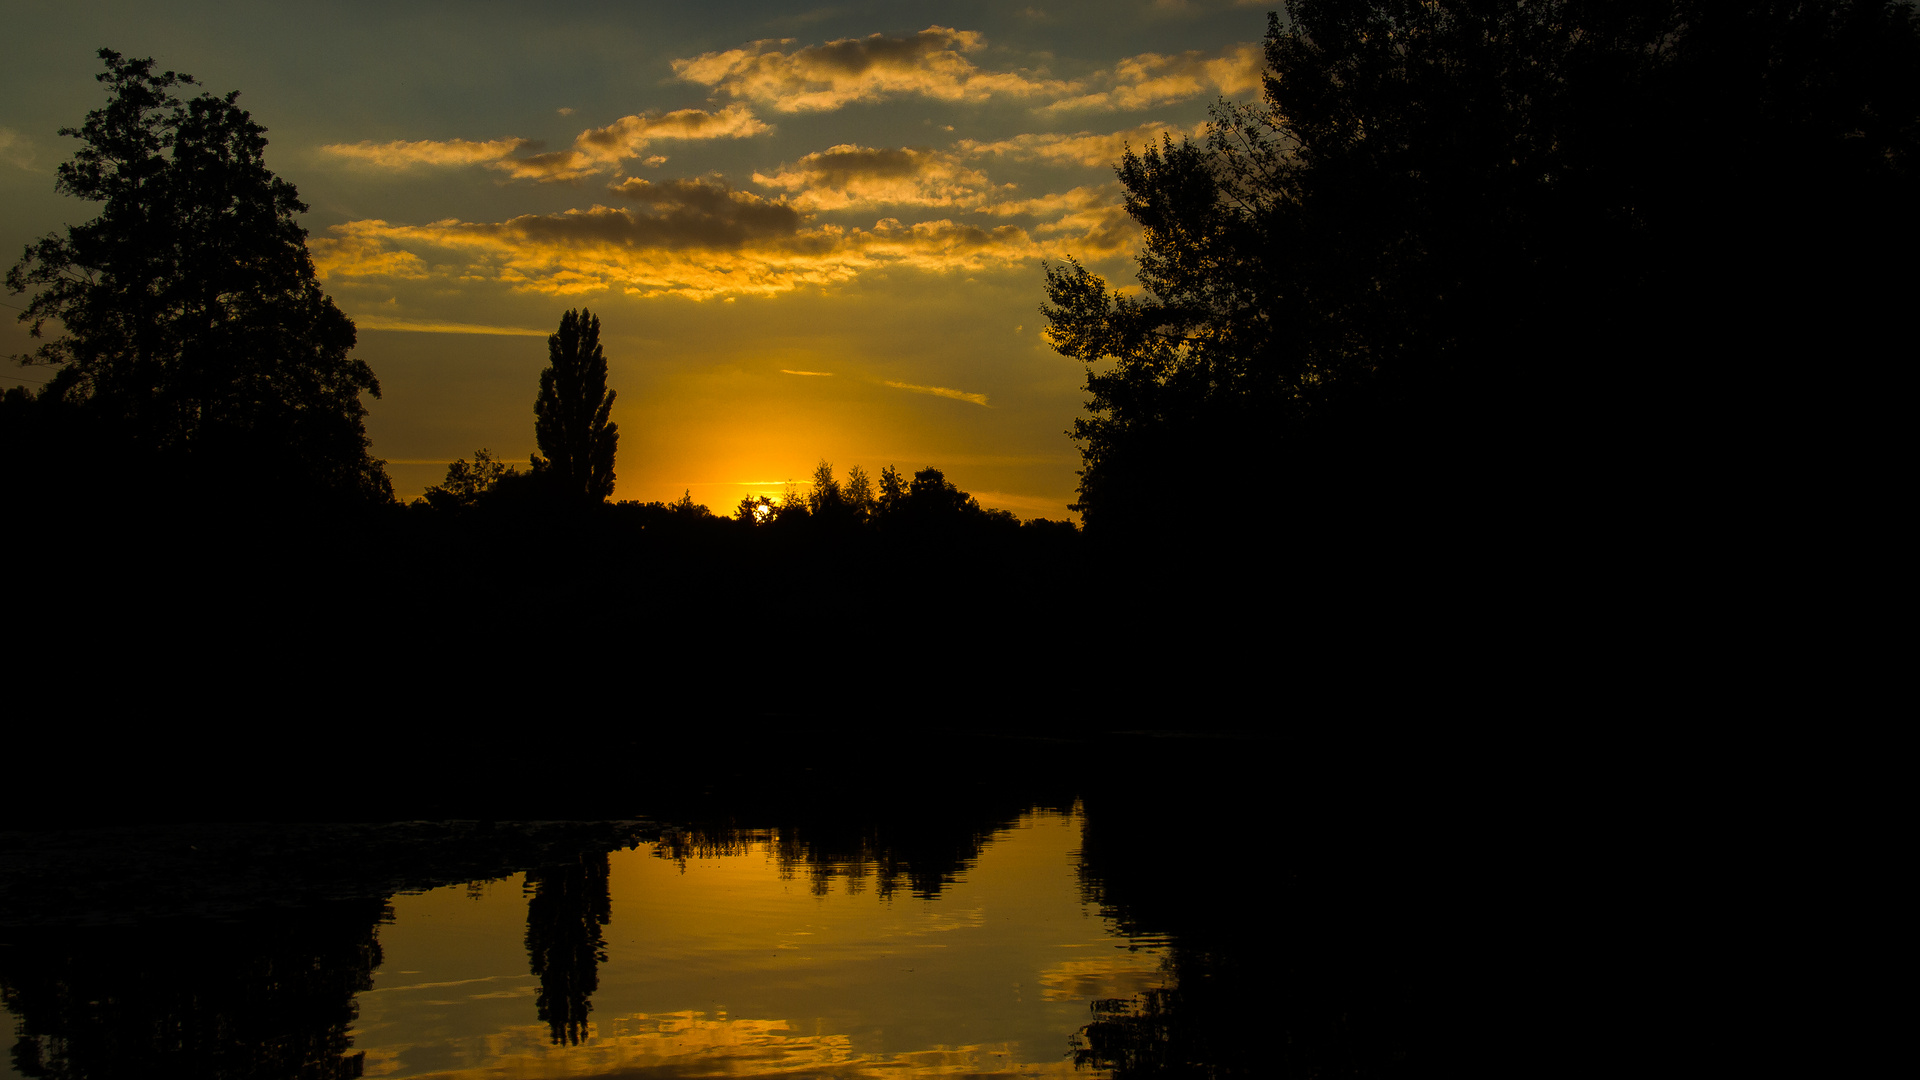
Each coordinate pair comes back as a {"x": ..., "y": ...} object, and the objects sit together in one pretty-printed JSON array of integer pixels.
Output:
[
  {"x": 1310, "y": 901},
  {"x": 1475, "y": 270},
  {"x": 236, "y": 951},
  {"x": 448, "y": 628},
  {"x": 266, "y": 997},
  {"x": 1309, "y": 905},
  {"x": 886, "y": 809}
]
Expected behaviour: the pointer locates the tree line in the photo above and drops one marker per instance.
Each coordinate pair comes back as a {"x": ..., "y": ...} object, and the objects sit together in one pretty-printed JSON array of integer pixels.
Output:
[
  {"x": 196, "y": 351},
  {"x": 1497, "y": 257},
  {"x": 1462, "y": 259},
  {"x": 574, "y": 469}
]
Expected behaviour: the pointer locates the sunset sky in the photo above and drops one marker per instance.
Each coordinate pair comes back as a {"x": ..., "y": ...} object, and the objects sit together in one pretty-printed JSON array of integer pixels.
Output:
[{"x": 808, "y": 232}]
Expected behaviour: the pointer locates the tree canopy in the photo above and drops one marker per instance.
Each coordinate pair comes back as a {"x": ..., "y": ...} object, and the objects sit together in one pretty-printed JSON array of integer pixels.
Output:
[
  {"x": 1515, "y": 242},
  {"x": 192, "y": 327},
  {"x": 571, "y": 416}
]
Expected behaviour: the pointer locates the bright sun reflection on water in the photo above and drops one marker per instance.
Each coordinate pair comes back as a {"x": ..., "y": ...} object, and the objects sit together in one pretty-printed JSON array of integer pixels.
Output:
[{"x": 732, "y": 963}]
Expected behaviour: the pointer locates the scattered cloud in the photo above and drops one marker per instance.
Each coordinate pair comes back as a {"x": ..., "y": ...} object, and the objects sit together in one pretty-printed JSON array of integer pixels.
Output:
[
  {"x": 821, "y": 77},
  {"x": 15, "y": 149},
  {"x": 790, "y": 371},
  {"x": 941, "y": 391},
  {"x": 673, "y": 245},
  {"x": 602, "y": 149},
  {"x": 1082, "y": 148},
  {"x": 1151, "y": 79},
  {"x": 849, "y": 176},
  {"x": 594, "y": 150},
  {"x": 426, "y": 152},
  {"x": 565, "y": 110},
  {"x": 704, "y": 213},
  {"x": 625, "y": 137},
  {"x": 422, "y": 326},
  {"x": 359, "y": 252},
  {"x": 1093, "y": 215}
]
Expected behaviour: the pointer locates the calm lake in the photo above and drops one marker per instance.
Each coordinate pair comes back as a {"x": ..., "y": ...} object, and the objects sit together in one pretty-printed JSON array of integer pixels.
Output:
[
  {"x": 735, "y": 961},
  {"x": 979, "y": 932}
]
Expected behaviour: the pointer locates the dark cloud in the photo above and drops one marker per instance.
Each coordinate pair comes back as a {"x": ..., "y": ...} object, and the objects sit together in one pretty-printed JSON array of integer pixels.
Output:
[{"x": 706, "y": 212}]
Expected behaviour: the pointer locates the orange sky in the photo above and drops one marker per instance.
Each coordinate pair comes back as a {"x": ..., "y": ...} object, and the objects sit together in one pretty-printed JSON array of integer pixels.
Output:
[{"x": 808, "y": 234}]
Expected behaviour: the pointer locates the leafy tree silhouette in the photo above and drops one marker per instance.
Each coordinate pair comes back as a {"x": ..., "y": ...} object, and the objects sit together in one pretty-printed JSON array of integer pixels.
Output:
[
  {"x": 1513, "y": 245},
  {"x": 825, "y": 499},
  {"x": 858, "y": 495},
  {"x": 192, "y": 323},
  {"x": 755, "y": 510},
  {"x": 468, "y": 483},
  {"x": 571, "y": 416}
]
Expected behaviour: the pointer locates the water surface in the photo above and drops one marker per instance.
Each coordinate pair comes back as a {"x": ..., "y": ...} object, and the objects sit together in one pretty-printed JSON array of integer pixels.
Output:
[{"x": 729, "y": 953}]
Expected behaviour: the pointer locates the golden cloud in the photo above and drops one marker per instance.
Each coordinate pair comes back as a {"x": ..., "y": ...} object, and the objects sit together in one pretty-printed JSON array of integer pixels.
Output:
[
  {"x": 821, "y": 77},
  {"x": 1094, "y": 215},
  {"x": 1084, "y": 148},
  {"x": 701, "y": 239},
  {"x": 594, "y": 150},
  {"x": 940, "y": 391},
  {"x": 679, "y": 254},
  {"x": 853, "y": 176},
  {"x": 401, "y": 154},
  {"x": 425, "y": 326},
  {"x": 359, "y": 252},
  {"x": 600, "y": 149},
  {"x": 706, "y": 212},
  {"x": 1150, "y": 79}
]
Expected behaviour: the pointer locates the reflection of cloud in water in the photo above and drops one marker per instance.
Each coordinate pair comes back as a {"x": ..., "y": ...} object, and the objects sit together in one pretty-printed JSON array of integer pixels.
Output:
[
  {"x": 1118, "y": 977},
  {"x": 690, "y": 1044}
]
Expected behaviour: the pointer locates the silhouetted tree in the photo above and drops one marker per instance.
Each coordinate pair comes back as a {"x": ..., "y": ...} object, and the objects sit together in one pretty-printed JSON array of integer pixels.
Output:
[
  {"x": 837, "y": 504},
  {"x": 1508, "y": 244},
  {"x": 192, "y": 326},
  {"x": 755, "y": 510},
  {"x": 893, "y": 493},
  {"x": 685, "y": 507},
  {"x": 824, "y": 498},
  {"x": 571, "y": 416},
  {"x": 793, "y": 506},
  {"x": 466, "y": 484},
  {"x": 932, "y": 496},
  {"x": 930, "y": 507},
  {"x": 858, "y": 493}
]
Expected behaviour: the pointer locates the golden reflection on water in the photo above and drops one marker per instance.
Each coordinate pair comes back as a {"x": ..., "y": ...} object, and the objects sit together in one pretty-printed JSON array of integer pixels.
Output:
[{"x": 733, "y": 961}]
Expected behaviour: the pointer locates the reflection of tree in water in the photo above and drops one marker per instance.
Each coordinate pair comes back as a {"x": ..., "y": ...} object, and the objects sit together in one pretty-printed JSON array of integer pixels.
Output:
[
  {"x": 886, "y": 849},
  {"x": 1300, "y": 924},
  {"x": 270, "y": 996},
  {"x": 880, "y": 806},
  {"x": 568, "y": 906}
]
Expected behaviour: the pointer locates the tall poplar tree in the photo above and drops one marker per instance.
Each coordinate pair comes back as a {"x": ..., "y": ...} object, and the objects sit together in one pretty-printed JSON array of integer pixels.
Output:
[{"x": 571, "y": 416}]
